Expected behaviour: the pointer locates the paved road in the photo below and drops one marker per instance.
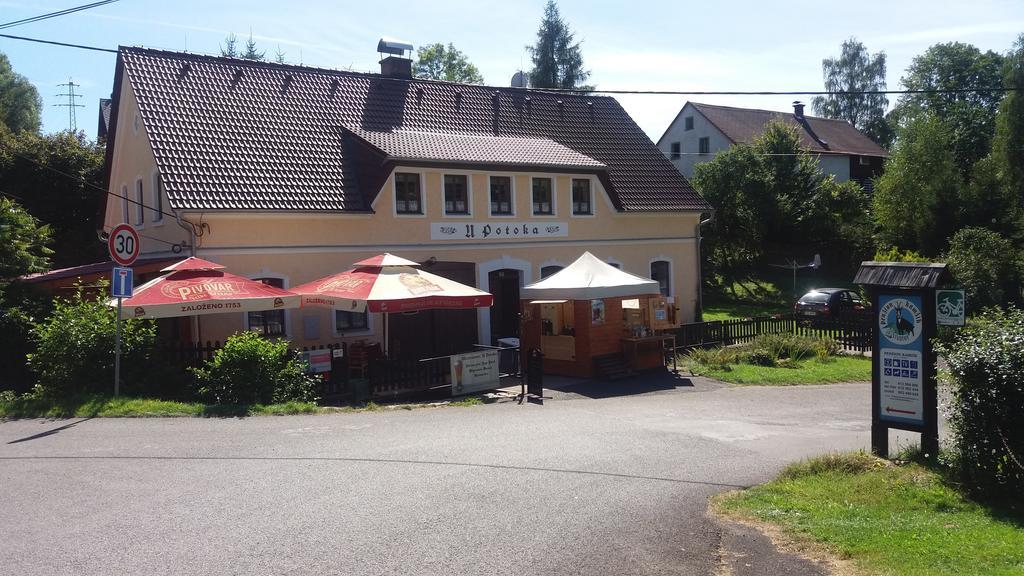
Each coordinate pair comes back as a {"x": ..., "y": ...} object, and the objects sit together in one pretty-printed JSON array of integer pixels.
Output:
[{"x": 580, "y": 485}]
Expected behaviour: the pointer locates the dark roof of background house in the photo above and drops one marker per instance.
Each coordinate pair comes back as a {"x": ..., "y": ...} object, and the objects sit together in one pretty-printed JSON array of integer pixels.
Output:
[
  {"x": 743, "y": 125},
  {"x": 241, "y": 135},
  {"x": 103, "y": 126},
  {"x": 902, "y": 274}
]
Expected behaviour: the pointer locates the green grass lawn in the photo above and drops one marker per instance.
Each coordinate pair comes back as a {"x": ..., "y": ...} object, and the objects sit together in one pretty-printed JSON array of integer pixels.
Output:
[
  {"x": 729, "y": 310},
  {"x": 106, "y": 406},
  {"x": 887, "y": 519},
  {"x": 839, "y": 369},
  {"x": 123, "y": 407}
]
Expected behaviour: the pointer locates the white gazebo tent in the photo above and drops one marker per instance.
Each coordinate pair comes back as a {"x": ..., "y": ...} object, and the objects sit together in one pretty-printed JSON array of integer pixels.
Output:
[
  {"x": 588, "y": 278},
  {"x": 590, "y": 318}
]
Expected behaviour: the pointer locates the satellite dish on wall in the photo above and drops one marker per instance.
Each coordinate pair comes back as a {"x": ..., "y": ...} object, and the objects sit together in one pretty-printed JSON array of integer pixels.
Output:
[{"x": 519, "y": 80}]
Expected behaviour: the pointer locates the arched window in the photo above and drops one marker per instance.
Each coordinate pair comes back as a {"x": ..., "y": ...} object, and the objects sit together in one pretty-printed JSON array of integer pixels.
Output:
[
  {"x": 661, "y": 271},
  {"x": 140, "y": 204},
  {"x": 546, "y": 271},
  {"x": 158, "y": 198}
]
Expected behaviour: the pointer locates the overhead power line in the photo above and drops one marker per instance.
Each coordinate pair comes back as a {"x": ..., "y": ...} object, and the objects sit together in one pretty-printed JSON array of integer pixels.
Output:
[
  {"x": 640, "y": 92},
  {"x": 66, "y": 11},
  {"x": 55, "y": 43}
]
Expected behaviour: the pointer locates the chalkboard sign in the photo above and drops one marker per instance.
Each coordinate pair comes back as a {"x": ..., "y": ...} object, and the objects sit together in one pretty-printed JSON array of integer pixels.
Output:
[{"x": 535, "y": 373}]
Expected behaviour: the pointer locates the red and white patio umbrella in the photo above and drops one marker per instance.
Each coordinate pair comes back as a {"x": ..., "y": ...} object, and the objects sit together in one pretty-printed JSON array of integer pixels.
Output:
[
  {"x": 195, "y": 287},
  {"x": 387, "y": 283}
]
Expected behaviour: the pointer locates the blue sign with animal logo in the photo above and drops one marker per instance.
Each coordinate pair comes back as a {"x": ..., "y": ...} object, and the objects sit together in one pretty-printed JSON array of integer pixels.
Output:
[{"x": 901, "y": 352}]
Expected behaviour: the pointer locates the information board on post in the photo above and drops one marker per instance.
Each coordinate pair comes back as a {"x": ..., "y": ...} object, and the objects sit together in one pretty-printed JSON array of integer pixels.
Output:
[
  {"x": 901, "y": 359},
  {"x": 474, "y": 372},
  {"x": 950, "y": 307}
]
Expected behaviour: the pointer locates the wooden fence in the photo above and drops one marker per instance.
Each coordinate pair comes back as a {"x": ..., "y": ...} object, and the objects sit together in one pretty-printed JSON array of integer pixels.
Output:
[
  {"x": 391, "y": 377},
  {"x": 853, "y": 332}
]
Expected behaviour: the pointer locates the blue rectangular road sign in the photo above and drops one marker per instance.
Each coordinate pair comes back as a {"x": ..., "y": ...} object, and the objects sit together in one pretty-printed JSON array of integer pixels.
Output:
[{"x": 122, "y": 283}]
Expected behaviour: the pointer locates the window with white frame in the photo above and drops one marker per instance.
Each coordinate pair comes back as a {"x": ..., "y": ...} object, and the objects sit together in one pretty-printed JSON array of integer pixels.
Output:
[
  {"x": 543, "y": 198},
  {"x": 124, "y": 204},
  {"x": 408, "y": 194},
  {"x": 501, "y": 196},
  {"x": 456, "y": 194},
  {"x": 268, "y": 322},
  {"x": 581, "y": 196},
  {"x": 348, "y": 321},
  {"x": 140, "y": 204},
  {"x": 677, "y": 151},
  {"x": 158, "y": 198},
  {"x": 704, "y": 145},
  {"x": 688, "y": 123},
  {"x": 661, "y": 271}
]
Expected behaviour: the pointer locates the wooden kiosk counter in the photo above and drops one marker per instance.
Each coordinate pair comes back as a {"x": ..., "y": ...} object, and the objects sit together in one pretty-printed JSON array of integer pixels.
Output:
[{"x": 592, "y": 310}]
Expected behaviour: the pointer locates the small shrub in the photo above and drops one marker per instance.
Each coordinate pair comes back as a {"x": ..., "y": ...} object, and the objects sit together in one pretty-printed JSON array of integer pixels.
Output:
[
  {"x": 779, "y": 346},
  {"x": 718, "y": 358},
  {"x": 986, "y": 372},
  {"x": 74, "y": 349},
  {"x": 250, "y": 369},
  {"x": 760, "y": 358},
  {"x": 851, "y": 463}
]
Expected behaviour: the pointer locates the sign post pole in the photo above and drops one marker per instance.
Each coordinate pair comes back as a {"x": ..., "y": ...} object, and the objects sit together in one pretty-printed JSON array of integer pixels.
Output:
[
  {"x": 123, "y": 244},
  {"x": 117, "y": 351}
]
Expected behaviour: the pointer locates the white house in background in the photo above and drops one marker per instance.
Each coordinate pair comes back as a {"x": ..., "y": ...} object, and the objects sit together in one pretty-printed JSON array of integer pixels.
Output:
[{"x": 700, "y": 131}]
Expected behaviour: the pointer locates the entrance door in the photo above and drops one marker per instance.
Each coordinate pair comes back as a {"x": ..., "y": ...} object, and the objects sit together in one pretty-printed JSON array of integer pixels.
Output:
[
  {"x": 504, "y": 285},
  {"x": 431, "y": 333}
]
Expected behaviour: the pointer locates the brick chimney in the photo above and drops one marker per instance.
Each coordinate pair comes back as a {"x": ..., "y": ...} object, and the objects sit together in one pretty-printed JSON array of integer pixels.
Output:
[
  {"x": 397, "y": 65},
  {"x": 798, "y": 110}
]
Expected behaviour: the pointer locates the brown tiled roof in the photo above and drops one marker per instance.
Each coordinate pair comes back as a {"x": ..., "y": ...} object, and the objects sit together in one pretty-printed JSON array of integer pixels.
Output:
[
  {"x": 473, "y": 149},
  {"x": 240, "y": 135},
  {"x": 743, "y": 125}
]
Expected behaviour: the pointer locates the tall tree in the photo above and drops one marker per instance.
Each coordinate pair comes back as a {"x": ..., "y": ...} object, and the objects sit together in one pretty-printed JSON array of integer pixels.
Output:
[
  {"x": 20, "y": 103},
  {"x": 1008, "y": 144},
  {"x": 58, "y": 180},
  {"x": 970, "y": 115},
  {"x": 855, "y": 70},
  {"x": 22, "y": 242},
  {"x": 771, "y": 199},
  {"x": 440, "y": 62},
  {"x": 557, "y": 60},
  {"x": 916, "y": 201}
]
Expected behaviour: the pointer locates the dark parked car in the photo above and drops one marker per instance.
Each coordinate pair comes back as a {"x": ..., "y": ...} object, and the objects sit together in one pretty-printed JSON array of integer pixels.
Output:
[{"x": 828, "y": 304}]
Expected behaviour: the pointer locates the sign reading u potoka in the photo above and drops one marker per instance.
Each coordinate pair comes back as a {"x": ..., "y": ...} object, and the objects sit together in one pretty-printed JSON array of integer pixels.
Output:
[{"x": 497, "y": 230}]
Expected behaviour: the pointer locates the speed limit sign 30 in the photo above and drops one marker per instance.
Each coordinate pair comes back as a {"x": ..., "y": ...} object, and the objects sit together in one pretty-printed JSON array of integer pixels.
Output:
[{"x": 123, "y": 244}]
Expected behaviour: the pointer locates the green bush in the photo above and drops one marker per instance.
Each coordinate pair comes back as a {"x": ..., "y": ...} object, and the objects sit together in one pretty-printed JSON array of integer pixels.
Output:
[
  {"x": 74, "y": 349},
  {"x": 713, "y": 357},
  {"x": 250, "y": 369},
  {"x": 986, "y": 371},
  {"x": 987, "y": 265},
  {"x": 760, "y": 358},
  {"x": 791, "y": 346}
]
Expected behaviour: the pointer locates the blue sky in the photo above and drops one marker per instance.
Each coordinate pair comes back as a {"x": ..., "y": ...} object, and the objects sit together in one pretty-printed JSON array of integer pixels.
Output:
[{"x": 680, "y": 45}]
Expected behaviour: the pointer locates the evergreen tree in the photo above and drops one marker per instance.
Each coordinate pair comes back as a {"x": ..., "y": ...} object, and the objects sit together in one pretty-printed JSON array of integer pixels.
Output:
[
  {"x": 230, "y": 46},
  {"x": 855, "y": 70},
  {"x": 251, "y": 52},
  {"x": 557, "y": 60}
]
